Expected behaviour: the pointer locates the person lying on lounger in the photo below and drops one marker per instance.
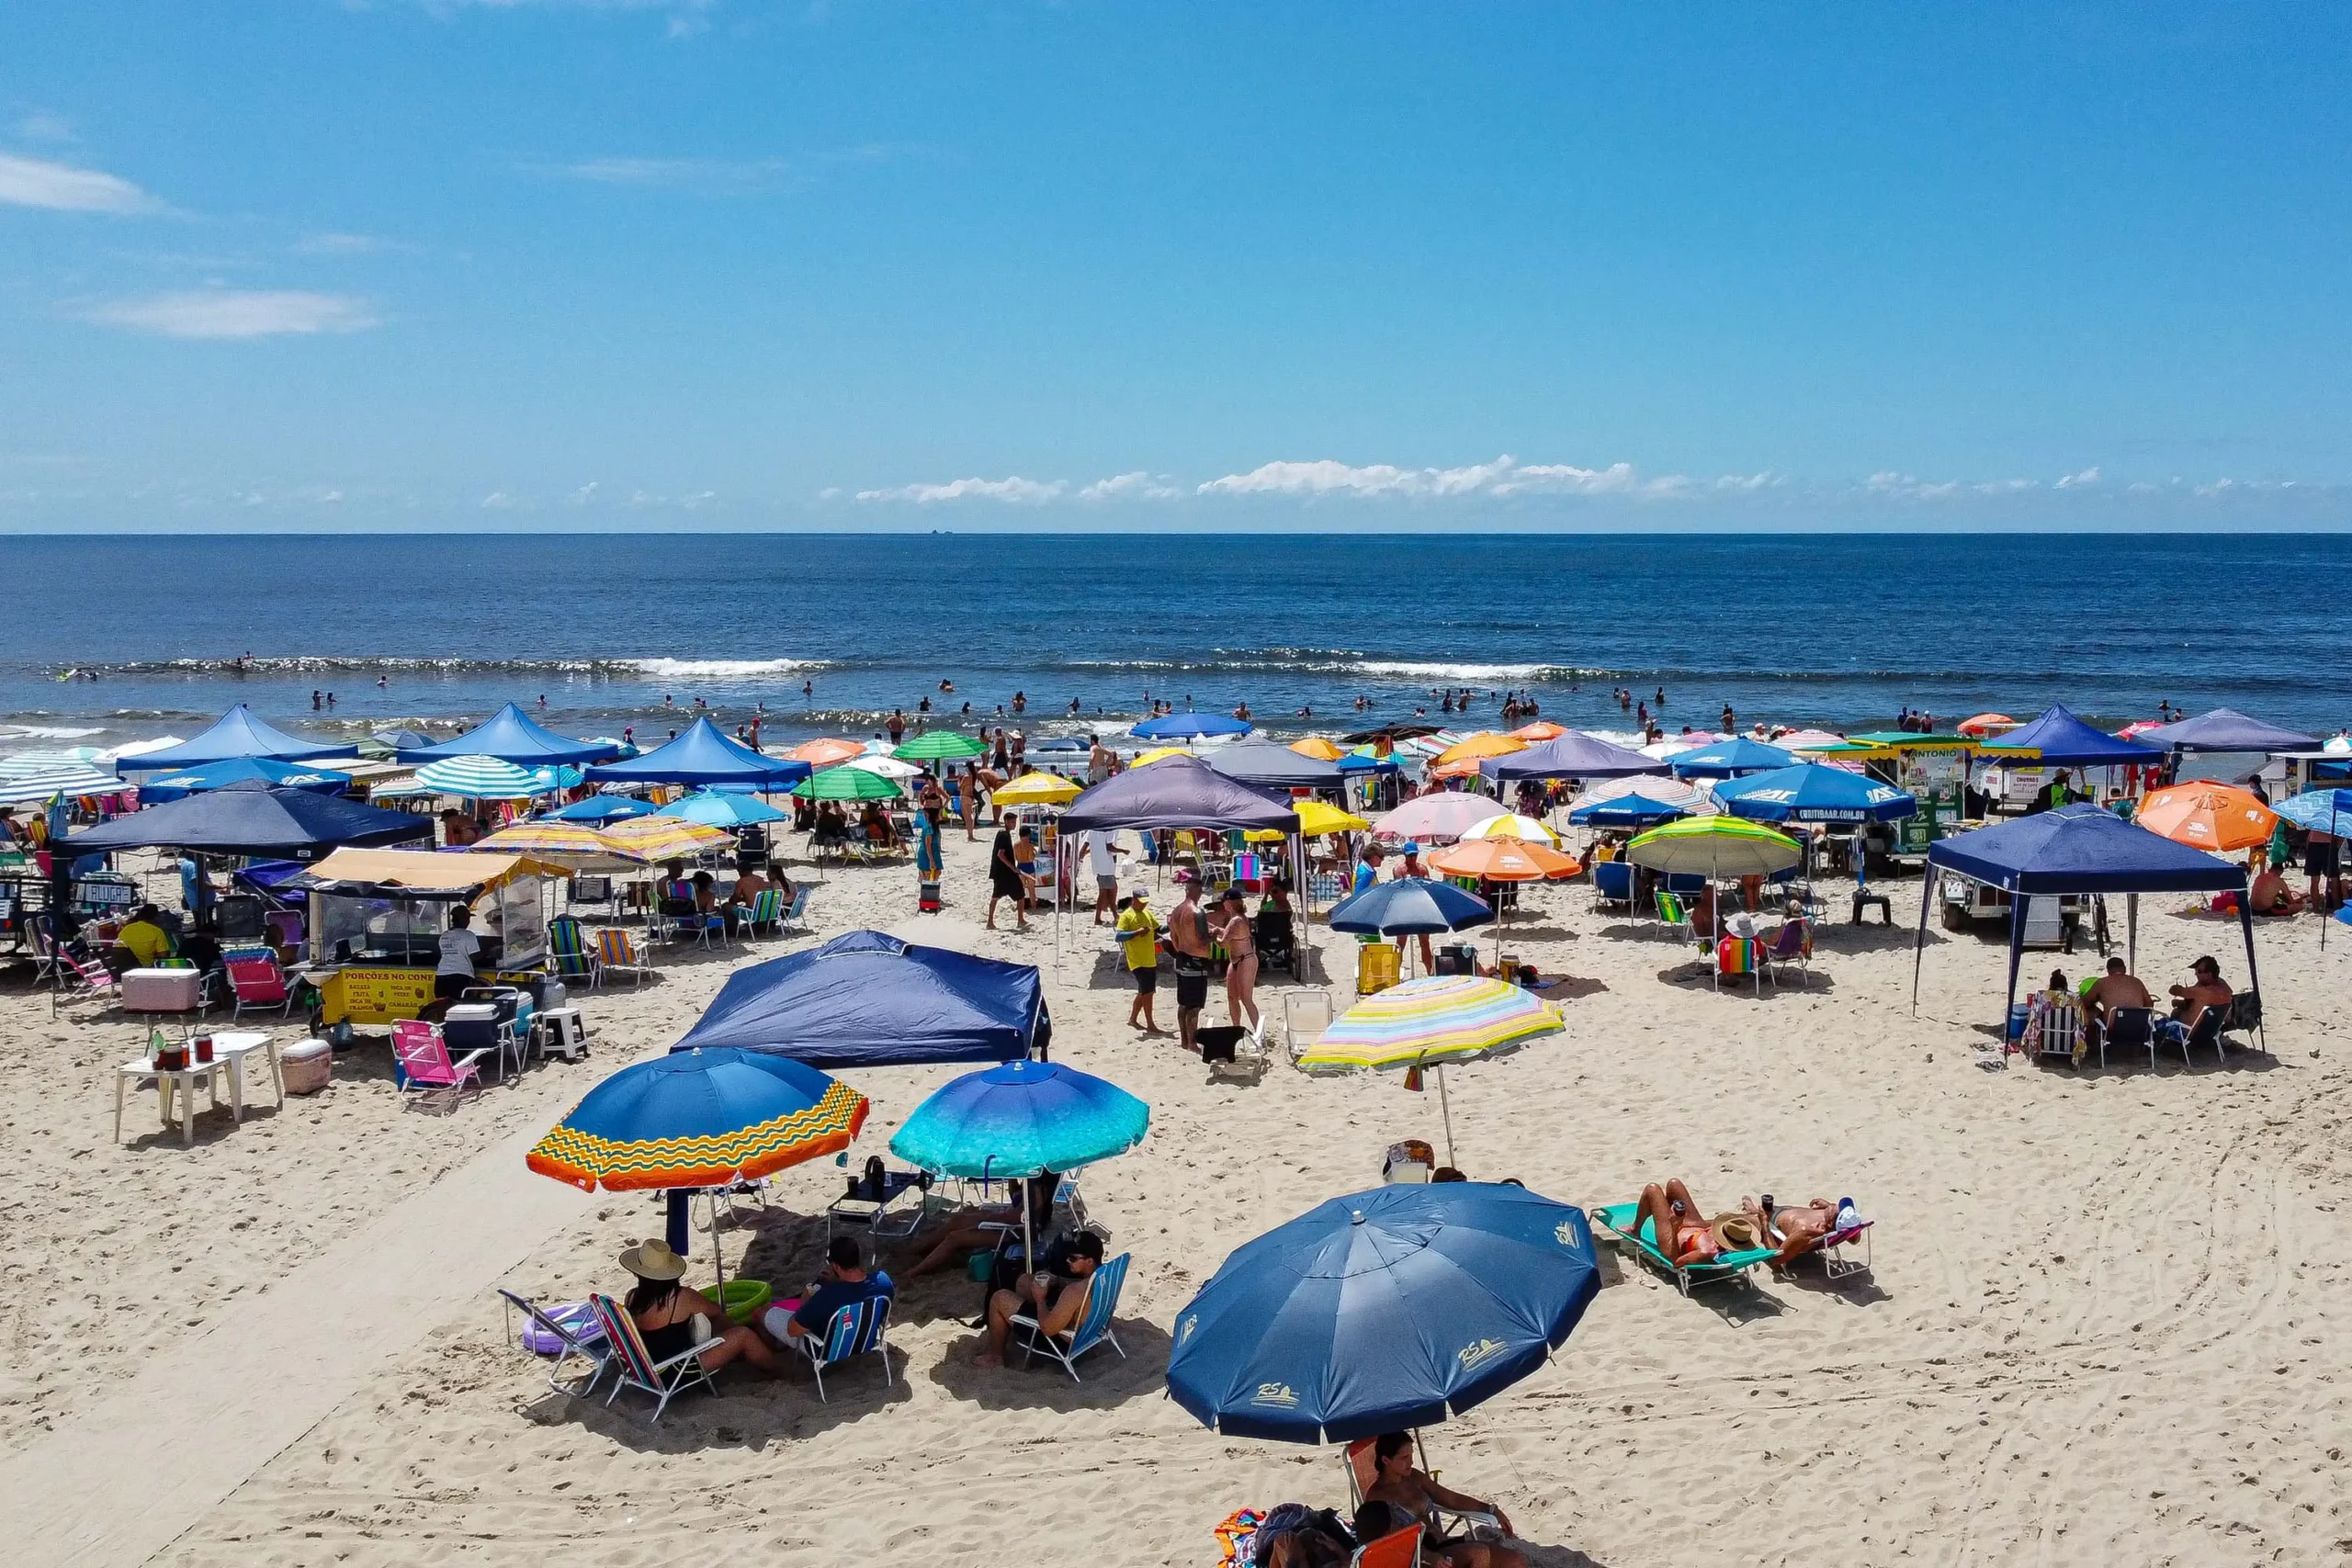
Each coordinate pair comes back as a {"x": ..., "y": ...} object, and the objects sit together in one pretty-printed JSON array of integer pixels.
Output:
[
  {"x": 1681, "y": 1230},
  {"x": 1399, "y": 1485},
  {"x": 1794, "y": 1231},
  {"x": 970, "y": 1230}
]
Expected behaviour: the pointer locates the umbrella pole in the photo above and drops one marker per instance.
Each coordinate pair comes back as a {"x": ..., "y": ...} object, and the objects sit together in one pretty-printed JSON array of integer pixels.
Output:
[{"x": 1445, "y": 1110}]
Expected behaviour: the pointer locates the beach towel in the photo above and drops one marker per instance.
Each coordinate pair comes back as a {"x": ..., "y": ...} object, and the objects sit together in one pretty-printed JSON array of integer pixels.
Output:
[{"x": 1237, "y": 1536}]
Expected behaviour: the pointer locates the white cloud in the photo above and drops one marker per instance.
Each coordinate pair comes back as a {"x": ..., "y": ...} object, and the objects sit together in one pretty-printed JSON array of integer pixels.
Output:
[
  {"x": 1014, "y": 490},
  {"x": 38, "y": 182},
  {"x": 332, "y": 244},
  {"x": 1503, "y": 477},
  {"x": 2007, "y": 487},
  {"x": 2082, "y": 480},
  {"x": 585, "y": 493},
  {"x": 499, "y": 501},
  {"x": 237, "y": 314},
  {"x": 1136, "y": 486},
  {"x": 695, "y": 176}
]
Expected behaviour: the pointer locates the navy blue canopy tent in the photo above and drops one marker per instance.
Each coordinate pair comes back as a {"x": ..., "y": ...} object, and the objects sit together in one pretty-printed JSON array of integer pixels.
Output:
[
  {"x": 1570, "y": 755},
  {"x": 1177, "y": 792},
  {"x": 867, "y": 1000},
  {"x": 704, "y": 755},
  {"x": 1383, "y": 1310},
  {"x": 2059, "y": 739},
  {"x": 1189, "y": 727},
  {"x": 1271, "y": 764},
  {"x": 251, "y": 819},
  {"x": 236, "y": 733},
  {"x": 242, "y": 770},
  {"x": 1812, "y": 792},
  {"x": 2226, "y": 730},
  {"x": 513, "y": 736},
  {"x": 2074, "y": 849},
  {"x": 1729, "y": 758}
]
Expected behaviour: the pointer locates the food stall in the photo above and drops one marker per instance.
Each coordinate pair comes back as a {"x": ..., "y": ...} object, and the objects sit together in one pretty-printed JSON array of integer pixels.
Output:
[{"x": 376, "y": 918}]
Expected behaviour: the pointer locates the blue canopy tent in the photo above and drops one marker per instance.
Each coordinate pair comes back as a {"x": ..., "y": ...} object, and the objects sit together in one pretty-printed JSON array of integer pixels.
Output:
[
  {"x": 2059, "y": 739},
  {"x": 704, "y": 755},
  {"x": 1570, "y": 755},
  {"x": 1271, "y": 765},
  {"x": 264, "y": 770},
  {"x": 2226, "y": 730},
  {"x": 867, "y": 1000},
  {"x": 1189, "y": 727},
  {"x": 513, "y": 736},
  {"x": 1811, "y": 791},
  {"x": 2074, "y": 849},
  {"x": 1729, "y": 758},
  {"x": 253, "y": 819},
  {"x": 236, "y": 733},
  {"x": 1632, "y": 809},
  {"x": 603, "y": 808},
  {"x": 1365, "y": 762}
]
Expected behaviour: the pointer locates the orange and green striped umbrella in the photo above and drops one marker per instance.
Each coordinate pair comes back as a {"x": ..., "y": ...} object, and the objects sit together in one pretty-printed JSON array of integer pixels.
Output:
[{"x": 700, "y": 1118}]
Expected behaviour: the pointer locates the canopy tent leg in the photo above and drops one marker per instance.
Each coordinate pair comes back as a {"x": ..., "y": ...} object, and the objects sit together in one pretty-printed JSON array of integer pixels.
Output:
[
  {"x": 2018, "y": 902},
  {"x": 679, "y": 1228},
  {"x": 2245, "y": 919},
  {"x": 1919, "y": 944},
  {"x": 2131, "y": 932}
]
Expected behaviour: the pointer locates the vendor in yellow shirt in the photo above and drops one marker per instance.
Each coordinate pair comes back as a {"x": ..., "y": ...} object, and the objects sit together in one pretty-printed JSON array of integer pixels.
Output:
[
  {"x": 148, "y": 943},
  {"x": 1139, "y": 932}
]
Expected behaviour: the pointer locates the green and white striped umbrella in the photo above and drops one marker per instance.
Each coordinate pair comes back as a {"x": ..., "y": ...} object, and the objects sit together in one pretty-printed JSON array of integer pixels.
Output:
[{"x": 482, "y": 778}]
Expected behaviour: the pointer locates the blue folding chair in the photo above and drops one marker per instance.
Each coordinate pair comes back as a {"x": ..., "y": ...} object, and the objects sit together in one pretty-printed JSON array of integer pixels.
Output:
[{"x": 1094, "y": 1324}]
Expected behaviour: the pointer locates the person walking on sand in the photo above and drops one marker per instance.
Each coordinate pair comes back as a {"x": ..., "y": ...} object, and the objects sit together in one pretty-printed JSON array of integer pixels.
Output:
[
  {"x": 1004, "y": 880},
  {"x": 1139, "y": 945},
  {"x": 1188, "y": 933}
]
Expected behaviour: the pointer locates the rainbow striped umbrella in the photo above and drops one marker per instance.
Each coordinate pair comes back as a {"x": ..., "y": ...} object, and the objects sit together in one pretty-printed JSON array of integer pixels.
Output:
[
  {"x": 1432, "y": 1021},
  {"x": 666, "y": 837},
  {"x": 699, "y": 1119}
]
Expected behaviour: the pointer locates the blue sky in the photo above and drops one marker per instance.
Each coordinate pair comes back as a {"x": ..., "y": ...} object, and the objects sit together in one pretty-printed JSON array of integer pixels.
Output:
[{"x": 296, "y": 265}]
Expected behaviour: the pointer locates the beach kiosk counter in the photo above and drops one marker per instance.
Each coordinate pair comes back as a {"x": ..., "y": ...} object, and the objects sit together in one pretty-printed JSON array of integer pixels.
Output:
[{"x": 376, "y": 918}]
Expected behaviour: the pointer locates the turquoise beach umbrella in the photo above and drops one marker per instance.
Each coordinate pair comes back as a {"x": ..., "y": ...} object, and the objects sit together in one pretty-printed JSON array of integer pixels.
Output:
[{"x": 1020, "y": 1118}]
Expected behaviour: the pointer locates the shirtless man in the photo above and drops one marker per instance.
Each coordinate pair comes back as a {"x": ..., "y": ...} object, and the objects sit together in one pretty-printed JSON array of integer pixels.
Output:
[
  {"x": 1057, "y": 1311},
  {"x": 1398, "y": 1483},
  {"x": 2271, "y": 895},
  {"x": 2206, "y": 988},
  {"x": 2117, "y": 989},
  {"x": 1192, "y": 945},
  {"x": 1793, "y": 1230}
]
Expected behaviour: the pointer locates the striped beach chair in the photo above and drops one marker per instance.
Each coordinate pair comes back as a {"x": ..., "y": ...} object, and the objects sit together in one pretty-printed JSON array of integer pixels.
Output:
[
  {"x": 635, "y": 1366},
  {"x": 568, "y": 950},
  {"x": 856, "y": 1329},
  {"x": 1093, "y": 1325},
  {"x": 616, "y": 954}
]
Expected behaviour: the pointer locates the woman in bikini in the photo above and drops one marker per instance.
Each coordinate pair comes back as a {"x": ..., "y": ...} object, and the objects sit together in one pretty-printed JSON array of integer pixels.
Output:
[
  {"x": 1679, "y": 1227},
  {"x": 1241, "y": 959},
  {"x": 1399, "y": 1484},
  {"x": 672, "y": 1318}
]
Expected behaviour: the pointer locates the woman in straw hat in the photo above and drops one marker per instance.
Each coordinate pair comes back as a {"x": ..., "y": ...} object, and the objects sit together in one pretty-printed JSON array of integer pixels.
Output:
[{"x": 672, "y": 1318}]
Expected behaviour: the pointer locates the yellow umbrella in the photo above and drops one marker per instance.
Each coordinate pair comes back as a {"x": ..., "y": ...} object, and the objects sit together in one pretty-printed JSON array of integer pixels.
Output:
[
  {"x": 1319, "y": 748},
  {"x": 1314, "y": 818},
  {"x": 1160, "y": 754},
  {"x": 1511, "y": 825},
  {"x": 1038, "y": 789},
  {"x": 574, "y": 845},
  {"x": 666, "y": 837},
  {"x": 1486, "y": 743}
]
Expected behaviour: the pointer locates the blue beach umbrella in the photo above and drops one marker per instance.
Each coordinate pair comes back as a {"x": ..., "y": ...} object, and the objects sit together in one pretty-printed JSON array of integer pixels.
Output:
[
  {"x": 1410, "y": 906},
  {"x": 1189, "y": 727},
  {"x": 1811, "y": 791},
  {"x": 714, "y": 809},
  {"x": 1726, "y": 759},
  {"x": 1383, "y": 1310},
  {"x": 1631, "y": 809},
  {"x": 603, "y": 808},
  {"x": 2324, "y": 809}
]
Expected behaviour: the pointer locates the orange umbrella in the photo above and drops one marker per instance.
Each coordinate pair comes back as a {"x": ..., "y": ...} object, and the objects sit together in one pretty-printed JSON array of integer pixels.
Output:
[
  {"x": 825, "y": 753},
  {"x": 1486, "y": 743},
  {"x": 1461, "y": 768},
  {"x": 2208, "y": 815},
  {"x": 1505, "y": 860},
  {"x": 1542, "y": 729},
  {"x": 1318, "y": 747},
  {"x": 1985, "y": 724}
]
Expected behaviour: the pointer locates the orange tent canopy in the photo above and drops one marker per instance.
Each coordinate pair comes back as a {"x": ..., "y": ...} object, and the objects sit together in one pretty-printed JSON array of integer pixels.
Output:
[
  {"x": 1985, "y": 724},
  {"x": 1540, "y": 730},
  {"x": 1505, "y": 860},
  {"x": 2208, "y": 815},
  {"x": 826, "y": 751}
]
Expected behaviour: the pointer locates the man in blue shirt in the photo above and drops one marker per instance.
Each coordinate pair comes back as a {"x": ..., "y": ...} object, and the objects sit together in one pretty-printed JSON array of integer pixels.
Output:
[
  {"x": 843, "y": 1283},
  {"x": 1368, "y": 868}
]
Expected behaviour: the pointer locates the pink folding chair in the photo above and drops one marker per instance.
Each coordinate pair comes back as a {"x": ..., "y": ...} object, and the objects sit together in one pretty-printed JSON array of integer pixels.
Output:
[
  {"x": 257, "y": 983},
  {"x": 430, "y": 1080}
]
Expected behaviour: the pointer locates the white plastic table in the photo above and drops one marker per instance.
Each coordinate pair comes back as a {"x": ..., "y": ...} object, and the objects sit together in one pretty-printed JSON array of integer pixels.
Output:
[{"x": 228, "y": 1052}]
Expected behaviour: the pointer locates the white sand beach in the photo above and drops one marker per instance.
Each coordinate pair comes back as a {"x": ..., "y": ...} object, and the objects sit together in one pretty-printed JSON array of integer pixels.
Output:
[{"x": 2105, "y": 1322}]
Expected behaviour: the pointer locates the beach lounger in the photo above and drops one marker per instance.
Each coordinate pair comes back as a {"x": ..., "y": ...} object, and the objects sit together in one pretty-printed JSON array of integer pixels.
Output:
[
  {"x": 1093, "y": 1325},
  {"x": 1306, "y": 1015},
  {"x": 1624, "y": 1221},
  {"x": 430, "y": 1080},
  {"x": 616, "y": 954},
  {"x": 1362, "y": 1461},
  {"x": 856, "y": 1329},
  {"x": 569, "y": 953},
  {"x": 635, "y": 1366},
  {"x": 573, "y": 1331}
]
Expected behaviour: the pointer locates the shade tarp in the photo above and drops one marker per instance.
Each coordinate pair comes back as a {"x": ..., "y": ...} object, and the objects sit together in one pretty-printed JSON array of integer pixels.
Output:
[
  {"x": 253, "y": 819},
  {"x": 425, "y": 871},
  {"x": 2059, "y": 739},
  {"x": 1181, "y": 792},
  {"x": 2226, "y": 730},
  {"x": 1274, "y": 765},
  {"x": 867, "y": 1000},
  {"x": 703, "y": 755},
  {"x": 2081, "y": 849},
  {"x": 237, "y": 733},
  {"x": 513, "y": 736},
  {"x": 1574, "y": 755}
]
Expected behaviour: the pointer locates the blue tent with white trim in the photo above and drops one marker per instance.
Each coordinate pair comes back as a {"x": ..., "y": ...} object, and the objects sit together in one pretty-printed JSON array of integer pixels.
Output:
[
  {"x": 1570, "y": 755},
  {"x": 1813, "y": 792},
  {"x": 242, "y": 770},
  {"x": 513, "y": 736},
  {"x": 2059, "y": 739},
  {"x": 1726, "y": 759},
  {"x": 2074, "y": 849},
  {"x": 704, "y": 755},
  {"x": 236, "y": 733}
]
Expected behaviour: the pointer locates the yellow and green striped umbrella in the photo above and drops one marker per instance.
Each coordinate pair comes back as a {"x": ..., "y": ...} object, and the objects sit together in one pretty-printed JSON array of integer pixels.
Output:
[
  {"x": 1714, "y": 846},
  {"x": 666, "y": 837}
]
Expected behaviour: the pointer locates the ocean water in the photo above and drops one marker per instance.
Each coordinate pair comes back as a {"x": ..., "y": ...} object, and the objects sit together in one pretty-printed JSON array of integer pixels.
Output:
[{"x": 1841, "y": 631}]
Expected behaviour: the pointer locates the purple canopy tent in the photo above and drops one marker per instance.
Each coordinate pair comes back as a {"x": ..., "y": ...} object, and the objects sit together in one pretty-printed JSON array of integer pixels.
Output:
[{"x": 1175, "y": 791}]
